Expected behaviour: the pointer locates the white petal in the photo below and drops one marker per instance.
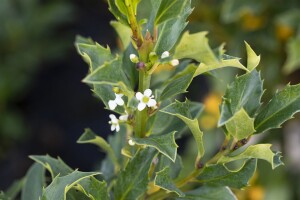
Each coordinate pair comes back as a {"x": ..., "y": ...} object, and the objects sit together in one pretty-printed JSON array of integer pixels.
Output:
[
  {"x": 131, "y": 143},
  {"x": 151, "y": 103},
  {"x": 139, "y": 96},
  {"x": 141, "y": 106},
  {"x": 165, "y": 54},
  {"x": 148, "y": 92},
  {"x": 132, "y": 56},
  {"x": 117, "y": 128},
  {"x": 112, "y": 117},
  {"x": 123, "y": 117},
  {"x": 113, "y": 127},
  {"x": 175, "y": 62},
  {"x": 119, "y": 95},
  {"x": 112, "y": 104},
  {"x": 119, "y": 101}
]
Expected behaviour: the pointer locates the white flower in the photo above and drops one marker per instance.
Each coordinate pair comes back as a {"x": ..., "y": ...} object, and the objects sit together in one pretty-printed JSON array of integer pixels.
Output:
[
  {"x": 131, "y": 142},
  {"x": 118, "y": 101},
  {"x": 145, "y": 99},
  {"x": 174, "y": 62},
  {"x": 165, "y": 54},
  {"x": 134, "y": 58},
  {"x": 114, "y": 123},
  {"x": 124, "y": 117}
]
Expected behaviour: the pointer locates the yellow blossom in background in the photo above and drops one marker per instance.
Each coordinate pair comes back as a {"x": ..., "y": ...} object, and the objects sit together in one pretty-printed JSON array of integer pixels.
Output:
[
  {"x": 251, "y": 22},
  {"x": 284, "y": 32},
  {"x": 211, "y": 114}
]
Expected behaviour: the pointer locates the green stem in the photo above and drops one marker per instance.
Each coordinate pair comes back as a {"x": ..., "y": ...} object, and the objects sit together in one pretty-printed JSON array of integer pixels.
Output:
[{"x": 142, "y": 116}]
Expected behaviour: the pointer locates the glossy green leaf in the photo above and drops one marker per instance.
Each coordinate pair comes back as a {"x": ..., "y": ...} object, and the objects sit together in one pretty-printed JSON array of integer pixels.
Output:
[
  {"x": 175, "y": 167},
  {"x": 240, "y": 125},
  {"x": 93, "y": 188},
  {"x": 62, "y": 184},
  {"x": 116, "y": 12},
  {"x": 54, "y": 166},
  {"x": 165, "y": 144},
  {"x": 282, "y": 107},
  {"x": 133, "y": 181},
  {"x": 75, "y": 194},
  {"x": 164, "y": 181},
  {"x": 182, "y": 111},
  {"x": 111, "y": 73},
  {"x": 219, "y": 175},
  {"x": 124, "y": 33},
  {"x": 121, "y": 6},
  {"x": 209, "y": 193},
  {"x": 195, "y": 46},
  {"x": 245, "y": 92},
  {"x": 92, "y": 53},
  {"x": 129, "y": 67},
  {"x": 293, "y": 59},
  {"x": 165, "y": 123},
  {"x": 179, "y": 83},
  {"x": 259, "y": 151},
  {"x": 34, "y": 182},
  {"x": 169, "y": 31},
  {"x": 90, "y": 137},
  {"x": 252, "y": 59},
  {"x": 168, "y": 9}
]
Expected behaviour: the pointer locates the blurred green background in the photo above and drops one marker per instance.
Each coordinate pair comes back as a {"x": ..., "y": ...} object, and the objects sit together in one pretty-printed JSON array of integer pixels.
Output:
[{"x": 44, "y": 107}]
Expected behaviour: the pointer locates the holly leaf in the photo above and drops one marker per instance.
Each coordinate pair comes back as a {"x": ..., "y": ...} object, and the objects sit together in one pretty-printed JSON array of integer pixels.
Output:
[
  {"x": 240, "y": 125},
  {"x": 93, "y": 188},
  {"x": 124, "y": 33},
  {"x": 281, "y": 108},
  {"x": 259, "y": 151},
  {"x": 170, "y": 30},
  {"x": 219, "y": 175},
  {"x": 54, "y": 166},
  {"x": 165, "y": 144},
  {"x": 92, "y": 53},
  {"x": 164, "y": 181},
  {"x": 252, "y": 59},
  {"x": 179, "y": 83},
  {"x": 175, "y": 167},
  {"x": 111, "y": 73},
  {"x": 90, "y": 137},
  {"x": 133, "y": 181},
  {"x": 112, "y": 7},
  {"x": 62, "y": 184},
  {"x": 34, "y": 182},
  {"x": 245, "y": 92},
  {"x": 182, "y": 111},
  {"x": 209, "y": 193}
]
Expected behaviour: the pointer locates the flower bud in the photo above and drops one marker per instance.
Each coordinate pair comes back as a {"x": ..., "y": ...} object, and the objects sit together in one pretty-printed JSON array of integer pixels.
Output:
[
  {"x": 140, "y": 66},
  {"x": 174, "y": 62},
  {"x": 134, "y": 58},
  {"x": 165, "y": 54}
]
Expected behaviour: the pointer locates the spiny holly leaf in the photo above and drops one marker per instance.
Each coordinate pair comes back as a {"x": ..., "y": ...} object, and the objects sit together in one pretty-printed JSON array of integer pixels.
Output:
[
  {"x": 93, "y": 188},
  {"x": 129, "y": 67},
  {"x": 195, "y": 46},
  {"x": 61, "y": 185},
  {"x": 209, "y": 193},
  {"x": 133, "y": 181},
  {"x": 75, "y": 194},
  {"x": 111, "y": 73},
  {"x": 226, "y": 61},
  {"x": 117, "y": 13},
  {"x": 179, "y": 83},
  {"x": 90, "y": 137},
  {"x": 259, "y": 151},
  {"x": 252, "y": 59},
  {"x": 293, "y": 59},
  {"x": 182, "y": 111},
  {"x": 34, "y": 182},
  {"x": 282, "y": 107},
  {"x": 164, "y": 181},
  {"x": 54, "y": 166},
  {"x": 92, "y": 53},
  {"x": 165, "y": 144},
  {"x": 165, "y": 123},
  {"x": 219, "y": 175},
  {"x": 168, "y": 9},
  {"x": 124, "y": 33},
  {"x": 240, "y": 125},
  {"x": 175, "y": 168},
  {"x": 245, "y": 92},
  {"x": 170, "y": 30}
]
